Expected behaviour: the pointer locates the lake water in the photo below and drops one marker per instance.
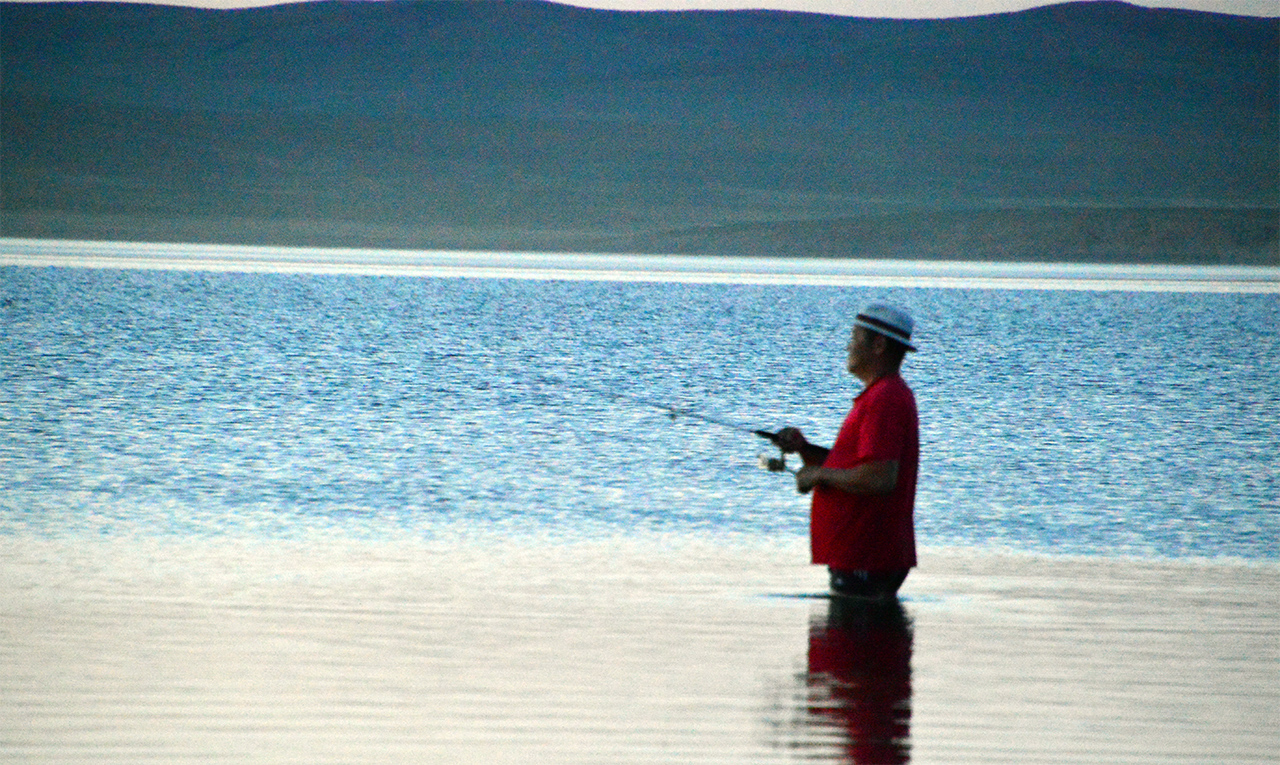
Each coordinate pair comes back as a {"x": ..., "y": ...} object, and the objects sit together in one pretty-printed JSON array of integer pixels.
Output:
[{"x": 287, "y": 510}]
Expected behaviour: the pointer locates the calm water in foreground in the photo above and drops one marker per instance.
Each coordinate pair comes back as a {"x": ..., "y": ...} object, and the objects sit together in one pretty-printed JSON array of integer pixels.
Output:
[{"x": 358, "y": 518}]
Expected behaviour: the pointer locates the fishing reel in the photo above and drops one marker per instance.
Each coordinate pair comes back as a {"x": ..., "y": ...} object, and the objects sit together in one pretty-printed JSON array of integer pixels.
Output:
[{"x": 775, "y": 464}]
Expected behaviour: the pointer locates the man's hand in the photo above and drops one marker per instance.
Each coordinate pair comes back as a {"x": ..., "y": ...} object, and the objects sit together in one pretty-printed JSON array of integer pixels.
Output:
[
  {"x": 807, "y": 478},
  {"x": 790, "y": 440}
]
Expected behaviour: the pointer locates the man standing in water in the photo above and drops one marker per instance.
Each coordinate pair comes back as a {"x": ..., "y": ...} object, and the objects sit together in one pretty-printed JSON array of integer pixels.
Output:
[{"x": 861, "y": 521}]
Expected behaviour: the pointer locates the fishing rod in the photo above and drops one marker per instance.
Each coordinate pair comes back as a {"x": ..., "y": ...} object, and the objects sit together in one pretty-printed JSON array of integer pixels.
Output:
[
  {"x": 772, "y": 464},
  {"x": 675, "y": 412}
]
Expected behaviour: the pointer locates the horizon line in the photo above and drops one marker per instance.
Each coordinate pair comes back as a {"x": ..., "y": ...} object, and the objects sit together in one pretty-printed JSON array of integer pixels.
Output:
[
  {"x": 689, "y": 269},
  {"x": 888, "y": 9}
]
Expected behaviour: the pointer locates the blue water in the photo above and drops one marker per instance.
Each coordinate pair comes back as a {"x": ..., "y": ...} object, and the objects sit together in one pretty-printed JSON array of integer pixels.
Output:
[{"x": 286, "y": 405}]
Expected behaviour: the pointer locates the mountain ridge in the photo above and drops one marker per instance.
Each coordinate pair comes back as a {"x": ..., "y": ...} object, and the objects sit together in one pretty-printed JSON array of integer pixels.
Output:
[{"x": 430, "y": 117}]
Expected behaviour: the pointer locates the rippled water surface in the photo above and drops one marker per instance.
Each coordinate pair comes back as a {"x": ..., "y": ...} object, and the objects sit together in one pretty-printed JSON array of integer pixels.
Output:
[
  {"x": 293, "y": 517},
  {"x": 207, "y": 403}
]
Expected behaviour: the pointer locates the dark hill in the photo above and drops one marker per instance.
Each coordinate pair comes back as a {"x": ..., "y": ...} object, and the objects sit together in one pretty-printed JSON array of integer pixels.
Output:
[{"x": 1080, "y": 131}]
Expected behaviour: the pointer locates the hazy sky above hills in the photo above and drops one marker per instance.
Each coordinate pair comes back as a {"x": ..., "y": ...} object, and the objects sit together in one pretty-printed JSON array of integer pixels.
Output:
[{"x": 889, "y": 8}]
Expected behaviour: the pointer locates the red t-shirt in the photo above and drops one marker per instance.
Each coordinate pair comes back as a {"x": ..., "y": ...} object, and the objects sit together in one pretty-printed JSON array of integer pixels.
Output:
[{"x": 861, "y": 532}]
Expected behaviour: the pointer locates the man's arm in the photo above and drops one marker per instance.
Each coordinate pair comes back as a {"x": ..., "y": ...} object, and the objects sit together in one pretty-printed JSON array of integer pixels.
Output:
[{"x": 867, "y": 478}]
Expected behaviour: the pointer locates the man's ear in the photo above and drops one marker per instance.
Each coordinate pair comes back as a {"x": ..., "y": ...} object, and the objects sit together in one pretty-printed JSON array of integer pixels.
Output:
[{"x": 879, "y": 343}]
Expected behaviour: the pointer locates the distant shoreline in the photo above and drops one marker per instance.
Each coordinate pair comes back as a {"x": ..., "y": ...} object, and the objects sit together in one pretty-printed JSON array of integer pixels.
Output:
[
  {"x": 548, "y": 266},
  {"x": 1245, "y": 236}
]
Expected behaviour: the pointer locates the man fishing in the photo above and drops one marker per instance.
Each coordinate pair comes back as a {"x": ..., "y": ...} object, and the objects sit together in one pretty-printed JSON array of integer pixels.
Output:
[{"x": 861, "y": 519}]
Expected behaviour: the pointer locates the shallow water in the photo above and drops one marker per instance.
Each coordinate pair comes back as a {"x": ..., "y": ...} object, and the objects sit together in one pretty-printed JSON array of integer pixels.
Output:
[{"x": 655, "y": 650}]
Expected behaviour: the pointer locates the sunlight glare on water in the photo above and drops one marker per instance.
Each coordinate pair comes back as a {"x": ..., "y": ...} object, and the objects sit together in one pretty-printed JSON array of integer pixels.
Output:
[{"x": 192, "y": 402}]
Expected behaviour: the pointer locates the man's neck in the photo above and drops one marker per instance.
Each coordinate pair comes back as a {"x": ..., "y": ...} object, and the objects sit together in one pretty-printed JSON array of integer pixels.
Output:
[{"x": 870, "y": 376}]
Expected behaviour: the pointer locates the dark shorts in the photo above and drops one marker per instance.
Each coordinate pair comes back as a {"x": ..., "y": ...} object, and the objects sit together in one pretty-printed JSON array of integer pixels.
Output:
[{"x": 867, "y": 584}]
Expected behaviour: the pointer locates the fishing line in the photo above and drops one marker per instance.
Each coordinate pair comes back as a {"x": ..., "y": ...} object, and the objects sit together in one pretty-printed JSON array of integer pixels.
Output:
[
  {"x": 676, "y": 412},
  {"x": 773, "y": 464}
]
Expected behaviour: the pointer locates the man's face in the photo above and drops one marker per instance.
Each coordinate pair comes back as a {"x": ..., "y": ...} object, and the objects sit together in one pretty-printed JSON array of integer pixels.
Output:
[{"x": 859, "y": 349}]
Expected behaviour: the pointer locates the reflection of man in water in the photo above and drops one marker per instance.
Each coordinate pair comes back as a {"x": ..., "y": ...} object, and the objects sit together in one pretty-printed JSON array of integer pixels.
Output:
[
  {"x": 864, "y": 486},
  {"x": 859, "y": 678}
]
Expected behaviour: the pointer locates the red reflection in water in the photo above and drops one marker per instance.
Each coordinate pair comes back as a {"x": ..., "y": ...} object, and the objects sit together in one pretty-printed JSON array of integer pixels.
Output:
[{"x": 859, "y": 678}]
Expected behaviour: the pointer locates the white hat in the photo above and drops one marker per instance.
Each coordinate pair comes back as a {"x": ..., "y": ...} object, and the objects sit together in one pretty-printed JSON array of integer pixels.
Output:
[{"x": 888, "y": 320}]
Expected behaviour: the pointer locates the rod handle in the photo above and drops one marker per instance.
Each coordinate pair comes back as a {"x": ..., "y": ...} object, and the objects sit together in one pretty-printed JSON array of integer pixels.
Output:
[{"x": 772, "y": 437}]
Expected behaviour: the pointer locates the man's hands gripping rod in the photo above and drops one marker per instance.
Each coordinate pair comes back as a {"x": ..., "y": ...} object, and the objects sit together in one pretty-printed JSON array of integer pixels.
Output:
[
  {"x": 788, "y": 441},
  {"x": 792, "y": 441}
]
